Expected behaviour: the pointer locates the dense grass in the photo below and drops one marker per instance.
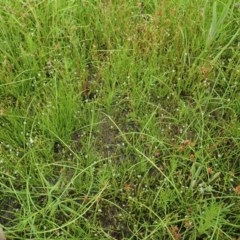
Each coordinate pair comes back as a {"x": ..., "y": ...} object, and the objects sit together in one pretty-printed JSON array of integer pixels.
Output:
[{"x": 120, "y": 119}]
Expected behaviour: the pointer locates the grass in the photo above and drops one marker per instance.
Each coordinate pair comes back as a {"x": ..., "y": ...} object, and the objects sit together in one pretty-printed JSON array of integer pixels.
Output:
[{"x": 120, "y": 120}]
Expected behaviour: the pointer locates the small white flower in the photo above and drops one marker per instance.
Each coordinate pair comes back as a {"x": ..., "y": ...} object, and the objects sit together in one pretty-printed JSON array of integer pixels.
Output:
[
  {"x": 31, "y": 140},
  {"x": 201, "y": 190}
]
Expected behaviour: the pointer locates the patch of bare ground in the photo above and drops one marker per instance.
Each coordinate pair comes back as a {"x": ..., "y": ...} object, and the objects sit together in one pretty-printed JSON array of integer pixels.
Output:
[
  {"x": 108, "y": 140},
  {"x": 112, "y": 222},
  {"x": 9, "y": 207}
]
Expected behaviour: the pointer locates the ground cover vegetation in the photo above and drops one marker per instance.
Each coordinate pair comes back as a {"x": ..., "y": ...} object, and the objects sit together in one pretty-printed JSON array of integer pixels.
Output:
[{"x": 120, "y": 119}]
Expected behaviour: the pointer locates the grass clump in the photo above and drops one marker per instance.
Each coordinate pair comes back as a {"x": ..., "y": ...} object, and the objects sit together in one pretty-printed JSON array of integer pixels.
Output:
[{"x": 119, "y": 120}]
